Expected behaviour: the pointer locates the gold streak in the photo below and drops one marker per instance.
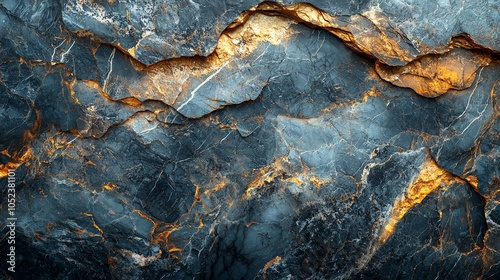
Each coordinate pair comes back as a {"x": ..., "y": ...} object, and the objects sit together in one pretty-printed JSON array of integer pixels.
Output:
[
  {"x": 430, "y": 178},
  {"x": 95, "y": 225}
]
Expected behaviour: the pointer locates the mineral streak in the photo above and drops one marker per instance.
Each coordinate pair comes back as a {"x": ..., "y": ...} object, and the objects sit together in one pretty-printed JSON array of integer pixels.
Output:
[{"x": 251, "y": 140}]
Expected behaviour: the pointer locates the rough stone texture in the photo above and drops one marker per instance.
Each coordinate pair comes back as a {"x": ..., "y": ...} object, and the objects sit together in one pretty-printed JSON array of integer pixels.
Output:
[
  {"x": 156, "y": 30},
  {"x": 246, "y": 140}
]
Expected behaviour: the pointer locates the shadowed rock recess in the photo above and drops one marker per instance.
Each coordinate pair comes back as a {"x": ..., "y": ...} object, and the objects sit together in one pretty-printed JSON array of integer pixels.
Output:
[{"x": 164, "y": 139}]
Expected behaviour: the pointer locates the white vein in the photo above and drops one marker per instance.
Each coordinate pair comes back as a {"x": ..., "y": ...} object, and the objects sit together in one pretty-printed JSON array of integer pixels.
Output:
[
  {"x": 225, "y": 137},
  {"x": 158, "y": 179},
  {"x": 110, "y": 63},
  {"x": 148, "y": 130},
  {"x": 66, "y": 52},
  {"x": 470, "y": 96},
  {"x": 71, "y": 141},
  {"x": 476, "y": 118},
  {"x": 202, "y": 84},
  {"x": 54, "y": 52}
]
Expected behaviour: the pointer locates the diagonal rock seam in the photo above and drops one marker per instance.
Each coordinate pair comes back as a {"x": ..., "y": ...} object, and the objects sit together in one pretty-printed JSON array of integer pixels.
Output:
[{"x": 432, "y": 177}]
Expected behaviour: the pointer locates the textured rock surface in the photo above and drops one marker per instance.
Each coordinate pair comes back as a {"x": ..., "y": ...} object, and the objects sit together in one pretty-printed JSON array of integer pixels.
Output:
[{"x": 246, "y": 140}]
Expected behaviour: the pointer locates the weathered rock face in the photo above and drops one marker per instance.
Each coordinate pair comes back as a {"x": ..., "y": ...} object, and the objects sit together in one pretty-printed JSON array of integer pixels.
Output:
[{"x": 247, "y": 140}]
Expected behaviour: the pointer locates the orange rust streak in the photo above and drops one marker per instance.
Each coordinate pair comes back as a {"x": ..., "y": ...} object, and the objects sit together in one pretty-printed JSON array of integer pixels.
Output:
[
  {"x": 109, "y": 186},
  {"x": 197, "y": 197},
  {"x": 265, "y": 175},
  {"x": 4, "y": 168},
  {"x": 294, "y": 180},
  {"x": 430, "y": 178},
  {"x": 272, "y": 262},
  {"x": 95, "y": 225},
  {"x": 155, "y": 224},
  {"x": 162, "y": 238},
  {"x": 473, "y": 181},
  {"x": 24, "y": 154},
  {"x": 318, "y": 182},
  {"x": 434, "y": 75},
  {"x": 112, "y": 261},
  {"x": 18, "y": 161},
  {"x": 251, "y": 224},
  {"x": 174, "y": 249},
  {"x": 131, "y": 101},
  {"x": 219, "y": 186}
]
